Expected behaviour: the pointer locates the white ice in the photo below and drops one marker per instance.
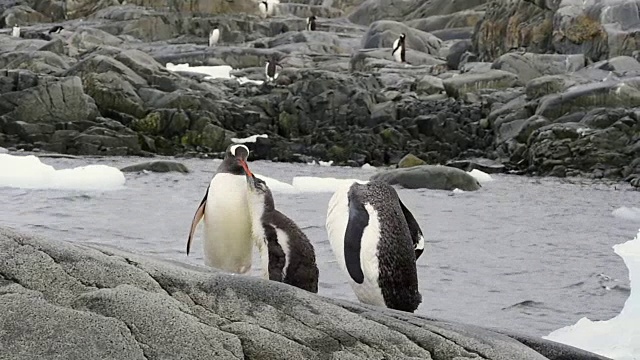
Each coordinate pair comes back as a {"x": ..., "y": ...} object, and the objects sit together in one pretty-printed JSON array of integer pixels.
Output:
[
  {"x": 321, "y": 163},
  {"x": 481, "y": 176},
  {"x": 250, "y": 139},
  {"x": 28, "y": 172},
  {"x": 617, "y": 338},
  {"x": 307, "y": 184},
  {"x": 627, "y": 213},
  {"x": 214, "y": 72}
]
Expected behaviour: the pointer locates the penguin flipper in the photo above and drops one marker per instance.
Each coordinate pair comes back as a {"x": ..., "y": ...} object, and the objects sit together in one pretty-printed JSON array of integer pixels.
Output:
[
  {"x": 358, "y": 221},
  {"x": 196, "y": 218},
  {"x": 396, "y": 46},
  {"x": 414, "y": 229}
]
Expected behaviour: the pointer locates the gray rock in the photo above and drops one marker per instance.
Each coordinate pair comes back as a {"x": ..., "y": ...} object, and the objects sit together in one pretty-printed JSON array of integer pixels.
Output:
[
  {"x": 429, "y": 85},
  {"x": 436, "y": 177},
  {"x": 53, "y": 100},
  {"x": 529, "y": 66},
  {"x": 373, "y": 10},
  {"x": 625, "y": 93},
  {"x": 485, "y": 165},
  {"x": 92, "y": 302},
  {"x": 410, "y": 160},
  {"x": 160, "y": 166},
  {"x": 473, "y": 82},
  {"x": 455, "y": 53}
]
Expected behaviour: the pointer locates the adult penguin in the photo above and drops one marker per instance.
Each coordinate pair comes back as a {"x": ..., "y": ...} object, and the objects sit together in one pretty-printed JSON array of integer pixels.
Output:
[
  {"x": 399, "y": 49},
  {"x": 376, "y": 240},
  {"x": 227, "y": 221}
]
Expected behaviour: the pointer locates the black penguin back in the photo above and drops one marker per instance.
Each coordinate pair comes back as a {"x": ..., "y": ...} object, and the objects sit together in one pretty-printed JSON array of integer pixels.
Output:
[
  {"x": 271, "y": 68},
  {"x": 398, "y": 277},
  {"x": 301, "y": 269}
]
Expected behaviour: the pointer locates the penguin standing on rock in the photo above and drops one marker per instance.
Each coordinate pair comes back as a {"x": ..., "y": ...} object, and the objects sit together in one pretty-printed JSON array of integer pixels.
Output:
[
  {"x": 286, "y": 252},
  {"x": 15, "y": 32},
  {"x": 227, "y": 223},
  {"x": 399, "y": 49},
  {"x": 271, "y": 70},
  {"x": 263, "y": 6},
  {"x": 214, "y": 36},
  {"x": 376, "y": 240},
  {"x": 311, "y": 23}
]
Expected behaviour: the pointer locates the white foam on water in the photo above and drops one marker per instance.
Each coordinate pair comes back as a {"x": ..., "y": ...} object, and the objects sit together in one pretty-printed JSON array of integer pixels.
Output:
[
  {"x": 368, "y": 166},
  {"x": 617, "y": 338},
  {"x": 28, "y": 172},
  {"x": 481, "y": 176},
  {"x": 213, "y": 72},
  {"x": 627, "y": 213},
  {"x": 250, "y": 139}
]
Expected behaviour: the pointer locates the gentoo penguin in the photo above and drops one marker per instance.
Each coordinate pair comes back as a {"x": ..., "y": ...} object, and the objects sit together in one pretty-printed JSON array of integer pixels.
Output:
[
  {"x": 286, "y": 253},
  {"x": 311, "y": 23},
  {"x": 376, "y": 240},
  {"x": 15, "y": 31},
  {"x": 227, "y": 223},
  {"x": 214, "y": 36},
  {"x": 56, "y": 29},
  {"x": 271, "y": 70},
  {"x": 264, "y": 9},
  {"x": 399, "y": 49}
]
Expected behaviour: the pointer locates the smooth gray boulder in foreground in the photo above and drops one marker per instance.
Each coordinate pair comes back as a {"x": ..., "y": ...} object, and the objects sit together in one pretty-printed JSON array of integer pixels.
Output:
[
  {"x": 65, "y": 301},
  {"x": 436, "y": 177}
]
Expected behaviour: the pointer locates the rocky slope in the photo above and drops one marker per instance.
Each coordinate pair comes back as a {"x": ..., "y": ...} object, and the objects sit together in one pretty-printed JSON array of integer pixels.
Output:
[
  {"x": 80, "y": 302},
  {"x": 543, "y": 86}
]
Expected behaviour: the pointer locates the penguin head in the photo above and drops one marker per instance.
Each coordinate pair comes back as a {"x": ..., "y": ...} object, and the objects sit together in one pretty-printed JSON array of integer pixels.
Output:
[
  {"x": 259, "y": 193},
  {"x": 236, "y": 158},
  {"x": 311, "y": 18},
  {"x": 402, "y": 36}
]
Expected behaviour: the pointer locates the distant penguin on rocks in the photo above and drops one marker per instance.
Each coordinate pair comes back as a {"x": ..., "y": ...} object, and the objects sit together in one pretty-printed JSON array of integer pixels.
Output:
[
  {"x": 227, "y": 223},
  {"x": 15, "y": 32},
  {"x": 271, "y": 70},
  {"x": 264, "y": 9},
  {"x": 286, "y": 253},
  {"x": 56, "y": 29},
  {"x": 214, "y": 36},
  {"x": 376, "y": 241},
  {"x": 311, "y": 23},
  {"x": 399, "y": 49}
]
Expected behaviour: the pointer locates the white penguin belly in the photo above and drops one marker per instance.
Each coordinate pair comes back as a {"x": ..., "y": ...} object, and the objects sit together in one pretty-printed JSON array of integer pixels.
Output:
[
  {"x": 227, "y": 237},
  {"x": 369, "y": 291}
]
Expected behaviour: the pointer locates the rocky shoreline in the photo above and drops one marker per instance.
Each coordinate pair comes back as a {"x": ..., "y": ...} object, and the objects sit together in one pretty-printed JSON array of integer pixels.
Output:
[
  {"x": 94, "y": 302},
  {"x": 541, "y": 87}
]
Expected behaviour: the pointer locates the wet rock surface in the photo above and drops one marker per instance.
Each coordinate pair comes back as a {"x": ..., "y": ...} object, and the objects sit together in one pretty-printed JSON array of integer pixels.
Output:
[
  {"x": 90, "y": 302},
  {"x": 540, "y": 87}
]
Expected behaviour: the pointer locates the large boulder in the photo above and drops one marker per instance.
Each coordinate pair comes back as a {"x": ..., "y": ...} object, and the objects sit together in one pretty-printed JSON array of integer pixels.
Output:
[
  {"x": 471, "y": 82},
  {"x": 52, "y": 100},
  {"x": 436, "y": 177},
  {"x": 382, "y": 34},
  {"x": 599, "y": 29},
  {"x": 91, "y": 302},
  {"x": 529, "y": 66}
]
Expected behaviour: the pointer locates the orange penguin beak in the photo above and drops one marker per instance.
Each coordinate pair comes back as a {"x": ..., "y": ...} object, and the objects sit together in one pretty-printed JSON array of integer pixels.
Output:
[{"x": 245, "y": 167}]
